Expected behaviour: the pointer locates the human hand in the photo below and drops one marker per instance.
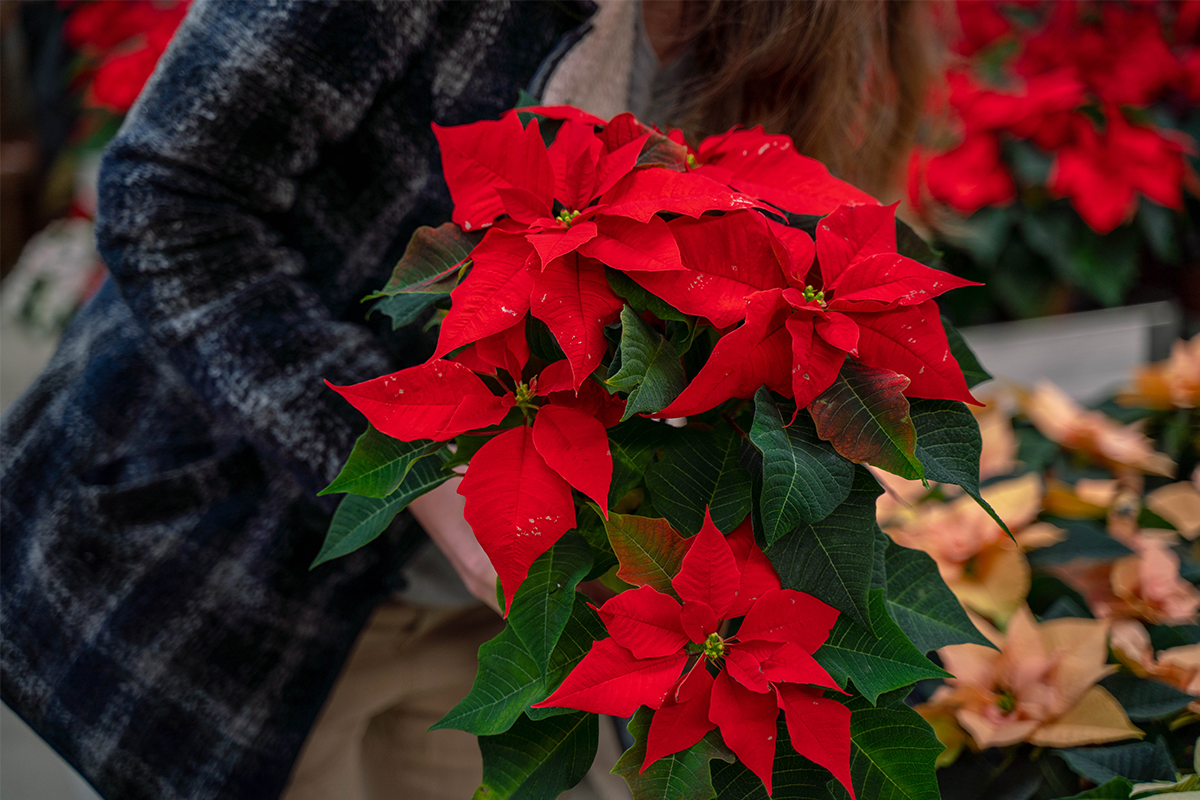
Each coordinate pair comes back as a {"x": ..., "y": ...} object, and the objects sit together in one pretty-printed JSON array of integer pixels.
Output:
[{"x": 440, "y": 513}]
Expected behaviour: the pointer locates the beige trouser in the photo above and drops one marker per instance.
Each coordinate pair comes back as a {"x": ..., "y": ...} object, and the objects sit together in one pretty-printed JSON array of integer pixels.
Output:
[{"x": 410, "y": 666}]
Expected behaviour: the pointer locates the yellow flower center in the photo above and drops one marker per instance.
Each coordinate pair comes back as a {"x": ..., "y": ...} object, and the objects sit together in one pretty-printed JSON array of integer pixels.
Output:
[
  {"x": 714, "y": 647},
  {"x": 567, "y": 218}
]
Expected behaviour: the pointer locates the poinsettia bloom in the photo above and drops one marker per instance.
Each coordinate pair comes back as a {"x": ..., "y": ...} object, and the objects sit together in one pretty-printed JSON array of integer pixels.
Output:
[
  {"x": 1039, "y": 686},
  {"x": 971, "y": 175},
  {"x": 1102, "y": 173},
  {"x": 1040, "y": 110},
  {"x": 1173, "y": 383},
  {"x": 981, "y": 25},
  {"x": 985, "y": 569},
  {"x": 674, "y": 654},
  {"x": 517, "y": 491},
  {"x": 865, "y": 300},
  {"x": 1145, "y": 585},
  {"x": 1178, "y": 666},
  {"x": 1065, "y": 422},
  {"x": 588, "y": 201}
]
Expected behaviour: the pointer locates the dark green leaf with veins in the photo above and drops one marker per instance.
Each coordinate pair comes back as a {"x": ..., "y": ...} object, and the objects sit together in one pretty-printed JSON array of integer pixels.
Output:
[
  {"x": 879, "y": 663},
  {"x": 700, "y": 469},
  {"x": 543, "y": 603},
  {"x": 832, "y": 559},
  {"x": 922, "y": 604},
  {"x": 378, "y": 463},
  {"x": 358, "y": 520},
  {"x": 804, "y": 478},
  {"x": 431, "y": 262},
  {"x": 651, "y": 373},
  {"x": 535, "y": 760}
]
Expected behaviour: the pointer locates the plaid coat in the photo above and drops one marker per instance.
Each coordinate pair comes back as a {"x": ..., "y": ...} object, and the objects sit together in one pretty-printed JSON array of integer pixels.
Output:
[{"x": 161, "y": 628}]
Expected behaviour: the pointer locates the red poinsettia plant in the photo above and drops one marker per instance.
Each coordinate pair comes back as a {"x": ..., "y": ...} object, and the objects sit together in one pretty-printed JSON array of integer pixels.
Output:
[
  {"x": 1072, "y": 127},
  {"x": 596, "y": 279}
]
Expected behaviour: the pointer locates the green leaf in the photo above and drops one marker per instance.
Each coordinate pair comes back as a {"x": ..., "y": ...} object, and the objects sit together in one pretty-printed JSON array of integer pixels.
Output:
[
  {"x": 650, "y": 372},
  {"x": 649, "y": 550},
  {"x": 1145, "y": 699},
  {"x": 972, "y": 370},
  {"x": 876, "y": 664},
  {"x": 358, "y": 521},
  {"x": 922, "y": 604},
  {"x": 864, "y": 415},
  {"x": 1116, "y": 789},
  {"x": 832, "y": 559},
  {"x": 1085, "y": 539},
  {"x": 431, "y": 261},
  {"x": 1136, "y": 761},
  {"x": 378, "y": 463},
  {"x": 804, "y": 478},
  {"x": 405, "y": 309},
  {"x": 632, "y": 444},
  {"x": 535, "y": 760},
  {"x": 794, "y": 777},
  {"x": 642, "y": 300},
  {"x": 700, "y": 469},
  {"x": 892, "y": 752},
  {"x": 583, "y": 630},
  {"x": 1164, "y": 637},
  {"x": 508, "y": 680},
  {"x": 949, "y": 447},
  {"x": 542, "y": 605},
  {"x": 682, "y": 775}
]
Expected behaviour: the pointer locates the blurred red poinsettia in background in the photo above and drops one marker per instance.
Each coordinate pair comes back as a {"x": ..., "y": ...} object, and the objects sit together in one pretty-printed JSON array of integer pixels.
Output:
[
  {"x": 121, "y": 41},
  {"x": 1064, "y": 159}
]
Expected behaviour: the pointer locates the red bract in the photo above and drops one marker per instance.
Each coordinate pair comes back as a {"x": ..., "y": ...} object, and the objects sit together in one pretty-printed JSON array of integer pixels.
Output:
[
  {"x": 868, "y": 302},
  {"x": 674, "y": 654},
  {"x": 971, "y": 175},
  {"x": 1102, "y": 173},
  {"x": 768, "y": 167},
  {"x": 518, "y": 487}
]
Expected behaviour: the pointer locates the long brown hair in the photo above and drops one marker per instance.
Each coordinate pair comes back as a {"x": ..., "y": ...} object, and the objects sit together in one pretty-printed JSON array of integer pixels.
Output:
[{"x": 845, "y": 79}]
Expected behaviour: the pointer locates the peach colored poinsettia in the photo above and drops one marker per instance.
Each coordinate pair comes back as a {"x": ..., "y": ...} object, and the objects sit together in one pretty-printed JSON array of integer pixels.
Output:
[
  {"x": 985, "y": 569},
  {"x": 1178, "y": 666},
  {"x": 1173, "y": 383},
  {"x": 1039, "y": 686},
  {"x": 1101, "y": 438},
  {"x": 1178, "y": 504},
  {"x": 1145, "y": 585}
]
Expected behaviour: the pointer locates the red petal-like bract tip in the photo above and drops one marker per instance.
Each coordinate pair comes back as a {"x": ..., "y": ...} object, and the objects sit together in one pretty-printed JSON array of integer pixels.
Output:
[
  {"x": 727, "y": 260},
  {"x": 495, "y": 294},
  {"x": 644, "y": 193},
  {"x": 516, "y": 505},
  {"x": 645, "y": 622},
  {"x": 768, "y": 167},
  {"x": 699, "y": 620},
  {"x": 632, "y": 246},
  {"x": 815, "y": 362},
  {"x": 709, "y": 573},
  {"x": 746, "y": 670},
  {"x": 886, "y": 280},
  {"x": 912, "y": 342},
  {"x": 747, "y": 723},
  {"x": 610, "y": 680},
  {"x": 785, "y": 615},
  {"x": 852, "y": 233},
  {"x": 481, "y": 156},
  {"x": 436, "y": 400},
  {"x": 508, "y": 350},
  {"x": 819, "y": 728},
  {"x": 756, "y": 354},
  {"x": 572, "y": 296},
  {"x": 678, "y": 725},
  {"x": 553, "y": 244},
  {"x": 758, "y": 575},
  {"x": 575, "y": 445},
  {"x": 789, "y": 663}
]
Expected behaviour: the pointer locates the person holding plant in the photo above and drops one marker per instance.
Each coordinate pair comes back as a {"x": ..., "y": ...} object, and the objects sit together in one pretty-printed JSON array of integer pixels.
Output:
[{"x": 162, "y": 628}]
